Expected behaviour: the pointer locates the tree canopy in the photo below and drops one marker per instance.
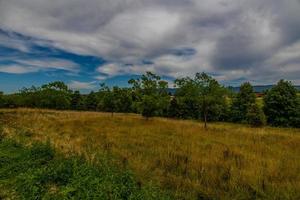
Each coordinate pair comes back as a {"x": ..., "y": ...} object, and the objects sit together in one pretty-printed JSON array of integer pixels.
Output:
[
  {"x": 282, "y": 105},
  {"x": 200, "y": 97}
]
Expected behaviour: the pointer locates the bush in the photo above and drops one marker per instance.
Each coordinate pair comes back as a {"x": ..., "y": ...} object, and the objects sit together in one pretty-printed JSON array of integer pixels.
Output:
[
  {"x": 281, "y": 105},
  {"x": 242, "y": 103},
  {"x": 22, "y": 171},
  {"x": 41, "y": 153},
  {"x": 148, "y": 106},
  {"x": 255, "y": 116}
]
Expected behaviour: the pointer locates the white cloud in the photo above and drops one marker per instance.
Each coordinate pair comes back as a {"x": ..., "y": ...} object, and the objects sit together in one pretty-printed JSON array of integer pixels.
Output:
[
  {"x": 77, "y": 85},
  {"x": 16, "y": 69},
  {"x": 50, "y": 63},
  {"x": 14, "y": 43},
  {"x": 22, "y": 66},
  {"x": 233, "y": 38}
]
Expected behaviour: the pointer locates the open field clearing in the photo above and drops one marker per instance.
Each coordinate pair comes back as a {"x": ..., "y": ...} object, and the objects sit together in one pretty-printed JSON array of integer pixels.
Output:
[{"x": 227, "y": 161}]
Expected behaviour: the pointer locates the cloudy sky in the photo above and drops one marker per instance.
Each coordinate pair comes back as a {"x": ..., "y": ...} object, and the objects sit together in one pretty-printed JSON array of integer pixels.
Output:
[{"x": 87, "y": 42}]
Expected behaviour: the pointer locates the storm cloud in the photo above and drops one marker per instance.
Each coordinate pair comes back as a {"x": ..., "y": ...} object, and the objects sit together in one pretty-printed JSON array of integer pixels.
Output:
[{"x": 254, "y": 40}]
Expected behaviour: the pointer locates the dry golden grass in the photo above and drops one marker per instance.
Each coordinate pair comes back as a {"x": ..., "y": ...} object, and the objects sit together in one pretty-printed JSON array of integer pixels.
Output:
[{"x": 227, "y": 161}]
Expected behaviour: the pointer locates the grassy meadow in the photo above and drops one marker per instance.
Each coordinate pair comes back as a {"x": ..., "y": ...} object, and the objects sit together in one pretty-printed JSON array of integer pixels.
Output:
[
  {"x": 38, "y": 172},
  {"x": 227, "y": 161}
]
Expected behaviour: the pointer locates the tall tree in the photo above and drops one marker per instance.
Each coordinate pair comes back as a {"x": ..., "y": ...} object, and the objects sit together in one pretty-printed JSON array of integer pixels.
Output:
[
  {"x": 150, "y": 95},
  {"x": 91, "y": 101},
  {"x": 282, "y": 106},
  {"x": 205, "y": 94},
  {"x": 106, "y": 99},
  {"x": 55, "y": 95},
  {"x": 242, "y": 102},
  {"x": 77, "y": 101},
  {"x": 187, "y": 98},
  {"x": 255, "y": 116},
  {"x": 122, "y": 99},
  {"x": 174, "y": 108}
]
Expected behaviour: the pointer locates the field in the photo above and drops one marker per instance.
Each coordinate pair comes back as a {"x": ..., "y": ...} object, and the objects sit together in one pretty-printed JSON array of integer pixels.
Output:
[
  {"x": 38, "y": 172},
  {"x": 227, "y": 161}
]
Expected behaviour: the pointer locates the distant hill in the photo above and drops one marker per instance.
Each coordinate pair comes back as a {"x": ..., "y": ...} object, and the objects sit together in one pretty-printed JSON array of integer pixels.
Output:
[
  {"x": 257, "y": 88},
  {"x": 260, "y": 88}
]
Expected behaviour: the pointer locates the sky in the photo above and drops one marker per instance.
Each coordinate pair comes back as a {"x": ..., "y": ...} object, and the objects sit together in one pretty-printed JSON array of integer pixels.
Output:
[{"x": 84, "y": 43}]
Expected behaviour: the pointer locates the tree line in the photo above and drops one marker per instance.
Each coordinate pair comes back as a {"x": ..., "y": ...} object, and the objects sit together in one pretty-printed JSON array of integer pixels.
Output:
[{"x": 200, "y": 97}]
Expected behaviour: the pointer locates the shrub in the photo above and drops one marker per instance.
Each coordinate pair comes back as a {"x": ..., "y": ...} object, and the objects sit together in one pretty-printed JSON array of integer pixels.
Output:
[
  {"x": 281, "y": 105},
  {"x": 242, "y": 103},
  {"x": 41, "y": 153},
  {"x": 22, "y": 171},
  {"x": 255, "y": 116},
  {"x": 148, "y": 106}
]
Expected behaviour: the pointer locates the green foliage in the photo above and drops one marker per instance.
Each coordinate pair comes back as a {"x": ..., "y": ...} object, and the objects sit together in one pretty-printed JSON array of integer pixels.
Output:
[
  {"x": 242, "y": 103},
  {"x": 12, "y": 100},
  {"x": 174, "y": 108},
  {"x": 77, "y": 101},
  {"x": 122, "y": 99},
  {"x": 150, "y": 95},
  {"x": 38, "y": 173},
  {"x": 201, "y": 97},
  {"x": 115, "y": 100},
  {"x": 282, "y": 105},
  {"x": 255, "y": 116},
  {"x": 1, "y": 100},
  {"x": 54, "y": 95},
  {"x": 91, "y": 101},
  {"x": 149, "y": 106},
  {"x": 56, "y": 85},
  {"x": 187, "y": 99},
  {"x": 108, "y": 99}
]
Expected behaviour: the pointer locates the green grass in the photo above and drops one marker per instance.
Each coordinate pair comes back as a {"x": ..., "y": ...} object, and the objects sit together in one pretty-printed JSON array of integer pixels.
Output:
[
  {"x": 37, "y": 172},
  {"x": 226, "y": 161}
]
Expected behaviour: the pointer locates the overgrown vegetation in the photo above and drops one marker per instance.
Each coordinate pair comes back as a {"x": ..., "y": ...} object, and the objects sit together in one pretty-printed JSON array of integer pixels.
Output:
[
  {"x": 244, "y": 108},
  {"x": 38, "y": 172},
  {"x": 282, "y": 105},
  {"x": 201, "y": 97},
  {"x": 226, "y": 161}
]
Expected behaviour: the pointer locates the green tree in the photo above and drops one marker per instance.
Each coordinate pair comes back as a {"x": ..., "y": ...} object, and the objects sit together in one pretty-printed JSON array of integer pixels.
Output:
[
  {"x": 282, "y": 106},
  {"x": 77, "y": 101},
  {"x": 57, "y": 86},
  {"x": 1, "y": 99},
  {"x": 91, "y": 101},
  {"x": 149, "y": 106},
  {"x": 150, "y": 95},
  {"x": 255, "y": 116},
  {"x": 30, "y": 97},
  {"x": 174, "y": 108},
  {"x": 106, "y": 99},
  {"x": 122, "y": 99},
  {"x": 12, "y": 100},
  {"x": 203, "y": 96},
  {"x": 187, "y": 98},
  {"x": 242, "y": 102},
  {"x": 55, "y": 95}
]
